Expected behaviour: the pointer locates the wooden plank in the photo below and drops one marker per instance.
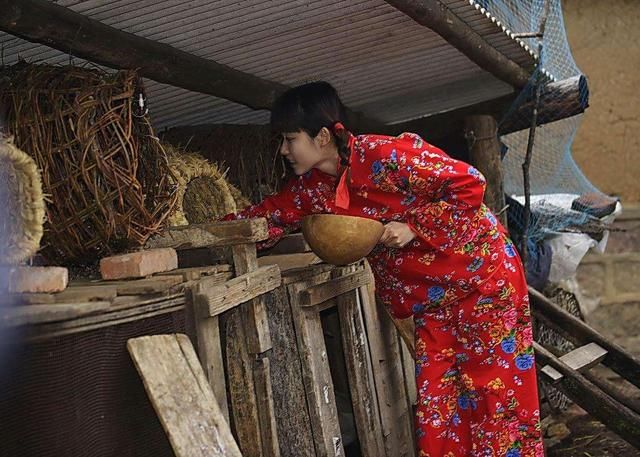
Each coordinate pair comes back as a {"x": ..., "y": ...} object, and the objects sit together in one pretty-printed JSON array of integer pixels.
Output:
[
  {"x": 152, "y": 285},
  {"x": 386, "y": 355},
  {"x": 323, "y": 292},
  {"x": 266, "y": 407},
  {"x": 307, "y": 273},
  {"x": 579, "y": 333},
  {"x": 212, "y": 234},
  {"x": 580, "y": 359},
  {"x": 73, "y": 294},
  {"x": 223, "y": 297},
  {"x": 208, "y": 334},
  {"x": 360, "y": 372},
  {"x": 290, "y": 244},
  {"x": 290, "y": 402},
  {"x": 241, "y": 387},
  {"x": 615, "y": 416},
  {"x": 290, "y": 261},
  {"x": 181, "y": 396},
  {"x": 103, "y": 318},
  {"x": 258, "y": 340},
  {"x": 193, "y": 273},
  {"x": 13, "y": 316},
  {"x": 255, "y": 312},
  {"x": 409, "y": 365},
  {"x": 316, "y": 375}
]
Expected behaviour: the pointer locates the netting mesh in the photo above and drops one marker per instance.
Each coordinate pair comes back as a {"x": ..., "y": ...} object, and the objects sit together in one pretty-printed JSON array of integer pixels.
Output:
[
  {"x": 561, "y": 197},
  {"x": 80, "y": 395},
  {"x": 555, "y": 179}
]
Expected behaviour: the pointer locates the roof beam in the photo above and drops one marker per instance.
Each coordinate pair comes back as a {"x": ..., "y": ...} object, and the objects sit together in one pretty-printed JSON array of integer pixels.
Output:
[
  {"x": 439, "y": 18},
  {"x": 42, "y": 21},
  {"x": 559, "y": 100}
]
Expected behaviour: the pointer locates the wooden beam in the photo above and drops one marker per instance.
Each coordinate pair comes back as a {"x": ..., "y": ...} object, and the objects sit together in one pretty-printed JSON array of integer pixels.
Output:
[
  {"x": 322, "y": 292},
  {"x": 42, "y": 21},
  {"x": 439, "y": 18},
  {"x": 221, "y": 298},
  {"x": 138, "y": 308},
  {"x": 316, "y": 375},
  {"x": 13, "y": 316},
  {"x": 256, "y": 342},
  {"x": 61, "y": 28},
  {"x": 559, "y": 100},
  {"x": 225, "y": 233}
]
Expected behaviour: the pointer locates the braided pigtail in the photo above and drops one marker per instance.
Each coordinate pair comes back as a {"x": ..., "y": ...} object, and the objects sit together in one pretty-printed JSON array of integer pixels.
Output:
[{"x": 344, "y": 142}]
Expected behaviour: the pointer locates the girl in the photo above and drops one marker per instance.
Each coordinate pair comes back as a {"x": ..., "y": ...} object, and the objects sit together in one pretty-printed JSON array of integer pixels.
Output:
[{"x": 443, "y": 259}]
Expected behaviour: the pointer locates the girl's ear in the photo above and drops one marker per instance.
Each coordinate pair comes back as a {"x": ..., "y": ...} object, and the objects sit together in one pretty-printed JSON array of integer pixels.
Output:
[{"x": 323, "y": 137}]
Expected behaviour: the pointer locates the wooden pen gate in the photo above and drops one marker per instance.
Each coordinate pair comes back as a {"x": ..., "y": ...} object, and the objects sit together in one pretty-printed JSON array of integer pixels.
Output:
[
  {"x": 264, "y": 348},
  {"x": 290, "y": 355}
]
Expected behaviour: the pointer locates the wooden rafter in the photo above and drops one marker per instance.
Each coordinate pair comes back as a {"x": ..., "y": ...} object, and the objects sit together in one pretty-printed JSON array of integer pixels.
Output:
[{"x": 439, "y": 18}]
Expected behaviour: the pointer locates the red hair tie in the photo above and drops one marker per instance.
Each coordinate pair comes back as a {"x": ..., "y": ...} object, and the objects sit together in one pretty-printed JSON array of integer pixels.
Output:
[{"x": 342, "y": 190}]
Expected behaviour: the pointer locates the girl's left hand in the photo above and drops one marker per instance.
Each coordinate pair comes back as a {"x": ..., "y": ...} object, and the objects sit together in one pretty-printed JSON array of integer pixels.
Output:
[{"x": 397, "y": 235}]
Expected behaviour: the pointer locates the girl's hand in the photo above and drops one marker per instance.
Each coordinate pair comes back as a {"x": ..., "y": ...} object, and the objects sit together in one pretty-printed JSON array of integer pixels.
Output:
[{"x": 397, "y": 235}]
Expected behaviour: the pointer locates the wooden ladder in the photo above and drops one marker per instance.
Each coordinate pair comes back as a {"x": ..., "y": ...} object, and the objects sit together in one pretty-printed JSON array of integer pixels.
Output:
[{"x": 571, "y": 373}]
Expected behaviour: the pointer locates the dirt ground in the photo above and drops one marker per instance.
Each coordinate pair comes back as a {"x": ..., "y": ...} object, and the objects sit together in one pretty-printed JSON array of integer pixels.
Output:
[{"x": 574, "y": 433}]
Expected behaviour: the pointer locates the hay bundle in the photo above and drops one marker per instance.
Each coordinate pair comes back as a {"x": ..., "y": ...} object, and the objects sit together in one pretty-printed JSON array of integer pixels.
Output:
[
  {"x": 203, "y": 192},
  {"x": 21, "y": 204},
  {"x": 99, "y": 157},
  {"x": 250, "y": 152}
]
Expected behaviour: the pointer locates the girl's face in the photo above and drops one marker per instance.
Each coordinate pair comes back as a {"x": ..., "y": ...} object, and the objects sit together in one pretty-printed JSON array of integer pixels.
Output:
[{"x": 303, "y": 152}]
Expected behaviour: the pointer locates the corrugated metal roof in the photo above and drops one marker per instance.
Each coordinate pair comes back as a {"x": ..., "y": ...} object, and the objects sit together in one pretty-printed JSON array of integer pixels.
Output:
[{"x": 380, "y": 60}]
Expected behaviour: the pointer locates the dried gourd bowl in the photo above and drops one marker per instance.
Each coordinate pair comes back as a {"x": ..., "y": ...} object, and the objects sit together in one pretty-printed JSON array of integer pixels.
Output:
[{"x": 341, "y": 240}]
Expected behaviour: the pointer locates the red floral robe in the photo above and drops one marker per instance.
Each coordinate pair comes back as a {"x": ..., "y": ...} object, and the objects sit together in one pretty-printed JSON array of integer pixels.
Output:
[{"x": 461, "y": 279}]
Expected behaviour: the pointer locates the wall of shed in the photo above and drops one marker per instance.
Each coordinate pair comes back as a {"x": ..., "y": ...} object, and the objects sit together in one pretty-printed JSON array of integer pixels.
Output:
[{"x": 605, "y": 41}]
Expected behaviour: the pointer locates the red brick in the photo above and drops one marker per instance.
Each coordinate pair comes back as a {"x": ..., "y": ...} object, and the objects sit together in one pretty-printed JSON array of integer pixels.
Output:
[
  {"x": 139, "y": 264},
  {"x": 38, "y": 279}
]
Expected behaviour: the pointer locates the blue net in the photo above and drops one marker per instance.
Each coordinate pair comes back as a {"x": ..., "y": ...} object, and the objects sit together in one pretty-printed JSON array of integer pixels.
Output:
[{"x": 556, "y": 181}]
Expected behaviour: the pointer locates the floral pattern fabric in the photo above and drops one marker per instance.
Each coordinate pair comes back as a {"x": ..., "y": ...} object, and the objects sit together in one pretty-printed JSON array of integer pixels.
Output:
[{"x": 461, "y": 279}]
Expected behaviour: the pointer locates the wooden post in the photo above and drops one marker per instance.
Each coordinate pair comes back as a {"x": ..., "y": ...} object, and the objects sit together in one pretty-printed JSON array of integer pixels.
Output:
[
  {"x": 360, "y": 373},
  {"x": 289, "y": 397},
  {"x": 253, "y": 319},
  {"x": 316, "y": 374},
  {"x": 481, "y": 132},
  {"x": 386, "y": 357}
]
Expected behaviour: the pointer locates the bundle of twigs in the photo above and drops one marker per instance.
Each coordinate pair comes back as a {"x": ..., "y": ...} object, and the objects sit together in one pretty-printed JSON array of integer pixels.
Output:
[
  {"x": 103, "y": 168},
  {"x": 21, "y": 204}
]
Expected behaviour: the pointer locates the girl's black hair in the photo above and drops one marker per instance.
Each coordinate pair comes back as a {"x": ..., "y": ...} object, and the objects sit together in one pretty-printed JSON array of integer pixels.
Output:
[{"x": 309, "y": 108}]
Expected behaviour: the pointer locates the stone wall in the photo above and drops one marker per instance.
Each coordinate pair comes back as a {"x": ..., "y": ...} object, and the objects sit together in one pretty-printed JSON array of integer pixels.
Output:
[{"x": 614, "y": 277}]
